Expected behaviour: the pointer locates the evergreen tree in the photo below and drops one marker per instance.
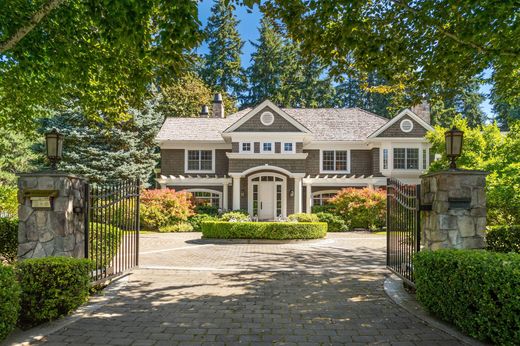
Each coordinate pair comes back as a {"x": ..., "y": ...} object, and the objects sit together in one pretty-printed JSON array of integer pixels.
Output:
[
  {"x": 221, "y": 66},
  {"x": 316, "y": 89},
  {"x": 268, "y": 69},
  {"x": 102, "y": 152},
  {"x": 506, "y": 113}
]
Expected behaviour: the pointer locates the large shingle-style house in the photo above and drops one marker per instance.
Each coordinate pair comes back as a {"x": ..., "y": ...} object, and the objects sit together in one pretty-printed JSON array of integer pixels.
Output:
[{"x": 276, "y": 161}]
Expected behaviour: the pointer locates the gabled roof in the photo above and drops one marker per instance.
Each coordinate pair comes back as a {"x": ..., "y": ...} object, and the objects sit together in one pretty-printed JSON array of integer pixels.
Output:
[
  {"x": 260, "y": 108},
  {"x": 405, "y": 112}
]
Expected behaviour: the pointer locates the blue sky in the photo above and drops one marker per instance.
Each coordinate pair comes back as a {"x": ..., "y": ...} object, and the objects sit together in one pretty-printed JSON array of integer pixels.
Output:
[{"x": 248, "y": 29}]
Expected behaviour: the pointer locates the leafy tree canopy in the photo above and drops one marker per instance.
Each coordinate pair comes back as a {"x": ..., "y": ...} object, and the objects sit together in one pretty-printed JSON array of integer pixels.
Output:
[
  {"x": 486, "y": 148},
  {"x": 185, "y": 96},
  {"x": 412, "y": 45},
  {"x": 103, "y": 55}
]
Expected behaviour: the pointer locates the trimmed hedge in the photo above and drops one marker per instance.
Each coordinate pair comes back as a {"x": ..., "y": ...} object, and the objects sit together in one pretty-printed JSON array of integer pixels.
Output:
[
  {"x": 8, "y": 239},
  {"x": 264, "y": 230},
  {"x": 9, "y": 300},
  {"x": 503, "y": 238},
  {"x": 196, "y": 221},
  {"x": 51, "y": 287},
  {"x": 476, "y": 290}
]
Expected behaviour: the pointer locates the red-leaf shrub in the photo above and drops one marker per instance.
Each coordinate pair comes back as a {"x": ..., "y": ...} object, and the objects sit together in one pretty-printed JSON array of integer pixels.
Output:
[
  {"x": 160, "y": 208},
  {"x": 361, "y": 208}
]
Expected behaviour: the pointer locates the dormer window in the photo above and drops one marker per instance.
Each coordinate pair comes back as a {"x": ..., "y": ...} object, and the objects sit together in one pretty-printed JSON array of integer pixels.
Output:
[
  {"x": 246, "y": 147},
  {"x": 267, "y": 147},
  {"x": 288, "y": 148}
]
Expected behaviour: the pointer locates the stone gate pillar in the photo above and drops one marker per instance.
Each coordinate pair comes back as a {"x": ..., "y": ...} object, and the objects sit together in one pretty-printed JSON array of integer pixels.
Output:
[
  {"x": 51, "y": 215},
  {"x": 457, "y": 219}
]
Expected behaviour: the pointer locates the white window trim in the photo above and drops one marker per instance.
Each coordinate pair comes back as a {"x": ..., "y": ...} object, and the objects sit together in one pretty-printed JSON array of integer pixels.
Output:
[
  {"x": 282, "y": 149},
  {"x": 219, "y": 193},
  {"x": 262, "y": 151},
  {"x": 186, "y": 170},
  {"x": 383, "y": 159},
  {"x": 267, "y": 123},
  {"x": 403, "y": 145},
  {"x": 407, "y": 121},
  {"x": 419, "y": 159},
  {"x": 320, "y": 192},
  {"x": 348, "y": 161},
  {"x": 251, "y": 144}
]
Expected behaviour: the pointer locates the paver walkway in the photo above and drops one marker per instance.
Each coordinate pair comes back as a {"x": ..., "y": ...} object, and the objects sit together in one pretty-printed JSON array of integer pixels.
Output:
[{"x": 190, "y": 292}]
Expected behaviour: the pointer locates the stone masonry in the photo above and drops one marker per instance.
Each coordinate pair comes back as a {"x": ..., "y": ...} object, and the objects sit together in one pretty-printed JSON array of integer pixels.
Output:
[
  {"x": 56, "y": 230},
  {"x": 458, "y": 216}
]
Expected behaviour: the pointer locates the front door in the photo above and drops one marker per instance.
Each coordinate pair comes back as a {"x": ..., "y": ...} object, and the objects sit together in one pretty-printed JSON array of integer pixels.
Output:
[{"x": 266, "y": 200}]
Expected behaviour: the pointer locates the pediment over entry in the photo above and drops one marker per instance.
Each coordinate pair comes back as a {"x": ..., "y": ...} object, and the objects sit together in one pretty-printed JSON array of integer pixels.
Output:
[{"x": 267, "y": 117}]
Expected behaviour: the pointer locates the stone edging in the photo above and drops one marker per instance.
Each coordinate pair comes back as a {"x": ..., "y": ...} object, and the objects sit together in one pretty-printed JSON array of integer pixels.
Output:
[
  {"x": 36, "y": 334},
  {"x": 395, "y": 291}
]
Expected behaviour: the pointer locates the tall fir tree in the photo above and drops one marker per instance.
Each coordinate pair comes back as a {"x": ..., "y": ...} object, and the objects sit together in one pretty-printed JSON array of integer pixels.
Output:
[
  {"x": 221, "y": 67},
  {"x": 102, "y": 152}
]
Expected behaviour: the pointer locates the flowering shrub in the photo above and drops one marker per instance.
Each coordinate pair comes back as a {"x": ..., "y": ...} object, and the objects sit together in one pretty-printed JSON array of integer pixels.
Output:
[
  {"x": 236, "y": 215},
  {"x": 361, "y": 208},
  {"x": 160, "y": 208}
]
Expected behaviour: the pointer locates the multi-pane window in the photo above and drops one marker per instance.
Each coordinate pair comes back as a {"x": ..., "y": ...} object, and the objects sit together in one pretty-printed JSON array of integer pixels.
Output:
[
  {"x": 322, "y": 198},
  {"x": 406, "y": 158},
  {"x": 267, "y": 147},
  {"x": 206, "y": 198},
  {"x": 335, "y": 160},
  {"x": 278, "y": 200},
  {"x": 246, "y": 147},
  {"x": 200, "y": 160},
  {"x": 385, "y": 158},
  {"x": 288, "y": 147},
  {"x": 424, "y": 159}
]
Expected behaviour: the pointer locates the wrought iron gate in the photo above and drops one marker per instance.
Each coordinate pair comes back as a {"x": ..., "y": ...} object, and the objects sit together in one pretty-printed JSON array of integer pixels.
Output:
[
  {"x": 403, "y": 221},
  {"x": 112, "y": 227}
]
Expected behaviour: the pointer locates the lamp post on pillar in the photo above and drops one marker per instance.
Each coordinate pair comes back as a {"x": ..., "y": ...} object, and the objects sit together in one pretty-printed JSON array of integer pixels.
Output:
[
  {"x": 54, "y": 147},
  {"x": 454, "y": 139}
]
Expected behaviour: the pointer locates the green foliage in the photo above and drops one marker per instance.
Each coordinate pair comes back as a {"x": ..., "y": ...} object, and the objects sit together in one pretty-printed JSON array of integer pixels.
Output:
[
  {"x": 166, "y": 207},
  {"x": 334, "y": 222},
  {"x": 361, "y": 208},
  {"x": 8, "y": 200},
  {"x": 16, "y": 156},
  {"x": 485, "y": 148},
  {"x": 478, "y": 291},
  {"x": 326, "y": 208},
  {"x": 184, "y": 97},
  {"x": 178, "y": 227},
  {"x": 264, "y": 230},
  {"x": 303, "y": 217},
  {"x": 206, "y": 209},
  {"x": 104, "y": 55},
  {"x": 9, "y": 300},
  {"x": 503, "y": 238},
  {"x": 415, "y": 46},
  {"x": 222, "y": 67},
  {"x": 197, "y": 220},
  {"x": 104, "y": 241},
  {"x": 235, "y": 215},
  {"x": 8, "y": 239},
  {"x": 51, "y": 287},
  {"x": 102, "y": 152}
]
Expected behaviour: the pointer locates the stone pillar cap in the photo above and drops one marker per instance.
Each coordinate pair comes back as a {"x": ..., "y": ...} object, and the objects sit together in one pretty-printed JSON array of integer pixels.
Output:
[
  {"x": 50, "y": 174},
  {"x": 456, "y": 172}
]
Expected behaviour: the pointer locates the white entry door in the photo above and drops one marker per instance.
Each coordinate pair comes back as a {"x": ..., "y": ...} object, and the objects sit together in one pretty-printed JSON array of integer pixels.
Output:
[{"x": 265, "y": 200}]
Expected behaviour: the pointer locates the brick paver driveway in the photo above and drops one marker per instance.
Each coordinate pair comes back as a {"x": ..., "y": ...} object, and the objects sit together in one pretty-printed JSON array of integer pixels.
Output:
[{"x": 192, "y": 292}]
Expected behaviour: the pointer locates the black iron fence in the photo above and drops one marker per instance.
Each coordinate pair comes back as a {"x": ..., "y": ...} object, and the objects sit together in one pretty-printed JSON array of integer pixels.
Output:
[
  {"x": 403, "y": 228},
  {"x": 112, "y": 227}
]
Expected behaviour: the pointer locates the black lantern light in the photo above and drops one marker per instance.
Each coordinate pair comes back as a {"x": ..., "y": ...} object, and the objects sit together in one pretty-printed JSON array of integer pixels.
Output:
[
  {"x": 54, "y": 146},
  {"x": 453, "y": 145}
]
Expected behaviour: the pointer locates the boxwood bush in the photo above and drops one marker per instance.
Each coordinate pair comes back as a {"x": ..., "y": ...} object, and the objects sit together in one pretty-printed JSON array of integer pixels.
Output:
[
  {"x": 303, "y": 217},
  {"x": 51, "y": 287},
  {"x": 334, "y": 222},
  {"x": 503, "y": 238},
  {"x": 263, "y": 230},
  {"x": 8, "y": 239},
  {"x": 9, "y": 300},
  {"x": 476, "y": 290}
]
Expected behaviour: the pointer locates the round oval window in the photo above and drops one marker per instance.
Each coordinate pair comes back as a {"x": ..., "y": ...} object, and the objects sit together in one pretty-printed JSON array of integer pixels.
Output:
[
  {"x": 406, "y": 125},
  {"x": 267, "y": 118}
]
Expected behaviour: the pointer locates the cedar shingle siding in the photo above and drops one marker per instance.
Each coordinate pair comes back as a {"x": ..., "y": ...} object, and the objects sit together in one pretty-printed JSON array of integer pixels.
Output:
[
  {"x": 395, "y": 130},
  {"x": 255, "y": 125},
  {"x": 172, "y": 162},
  {"x": 361, "y": 162}
]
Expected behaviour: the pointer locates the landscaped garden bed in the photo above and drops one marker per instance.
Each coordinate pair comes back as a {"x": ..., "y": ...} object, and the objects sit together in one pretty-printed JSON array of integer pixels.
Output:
[{"x": 264, "y": 230}]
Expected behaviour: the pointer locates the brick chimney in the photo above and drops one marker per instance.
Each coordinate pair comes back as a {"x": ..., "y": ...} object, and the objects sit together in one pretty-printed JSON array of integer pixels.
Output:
[
  {"x": 218, "y": 106},
  {"x": 423, "y": 111},
  {"x": 204, "y": 113}
]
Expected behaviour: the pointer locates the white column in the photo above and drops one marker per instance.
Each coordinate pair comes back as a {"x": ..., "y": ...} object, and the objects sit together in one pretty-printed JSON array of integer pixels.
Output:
[
  {"x": 308, "y": 198},
  {"x": 371, "y": 186},
  {"x": 225, "y": 196},
  {"x": 297, "y": 195},
  {"x": 163, "y": 186},
  {"x": 236, "y": 193}
]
